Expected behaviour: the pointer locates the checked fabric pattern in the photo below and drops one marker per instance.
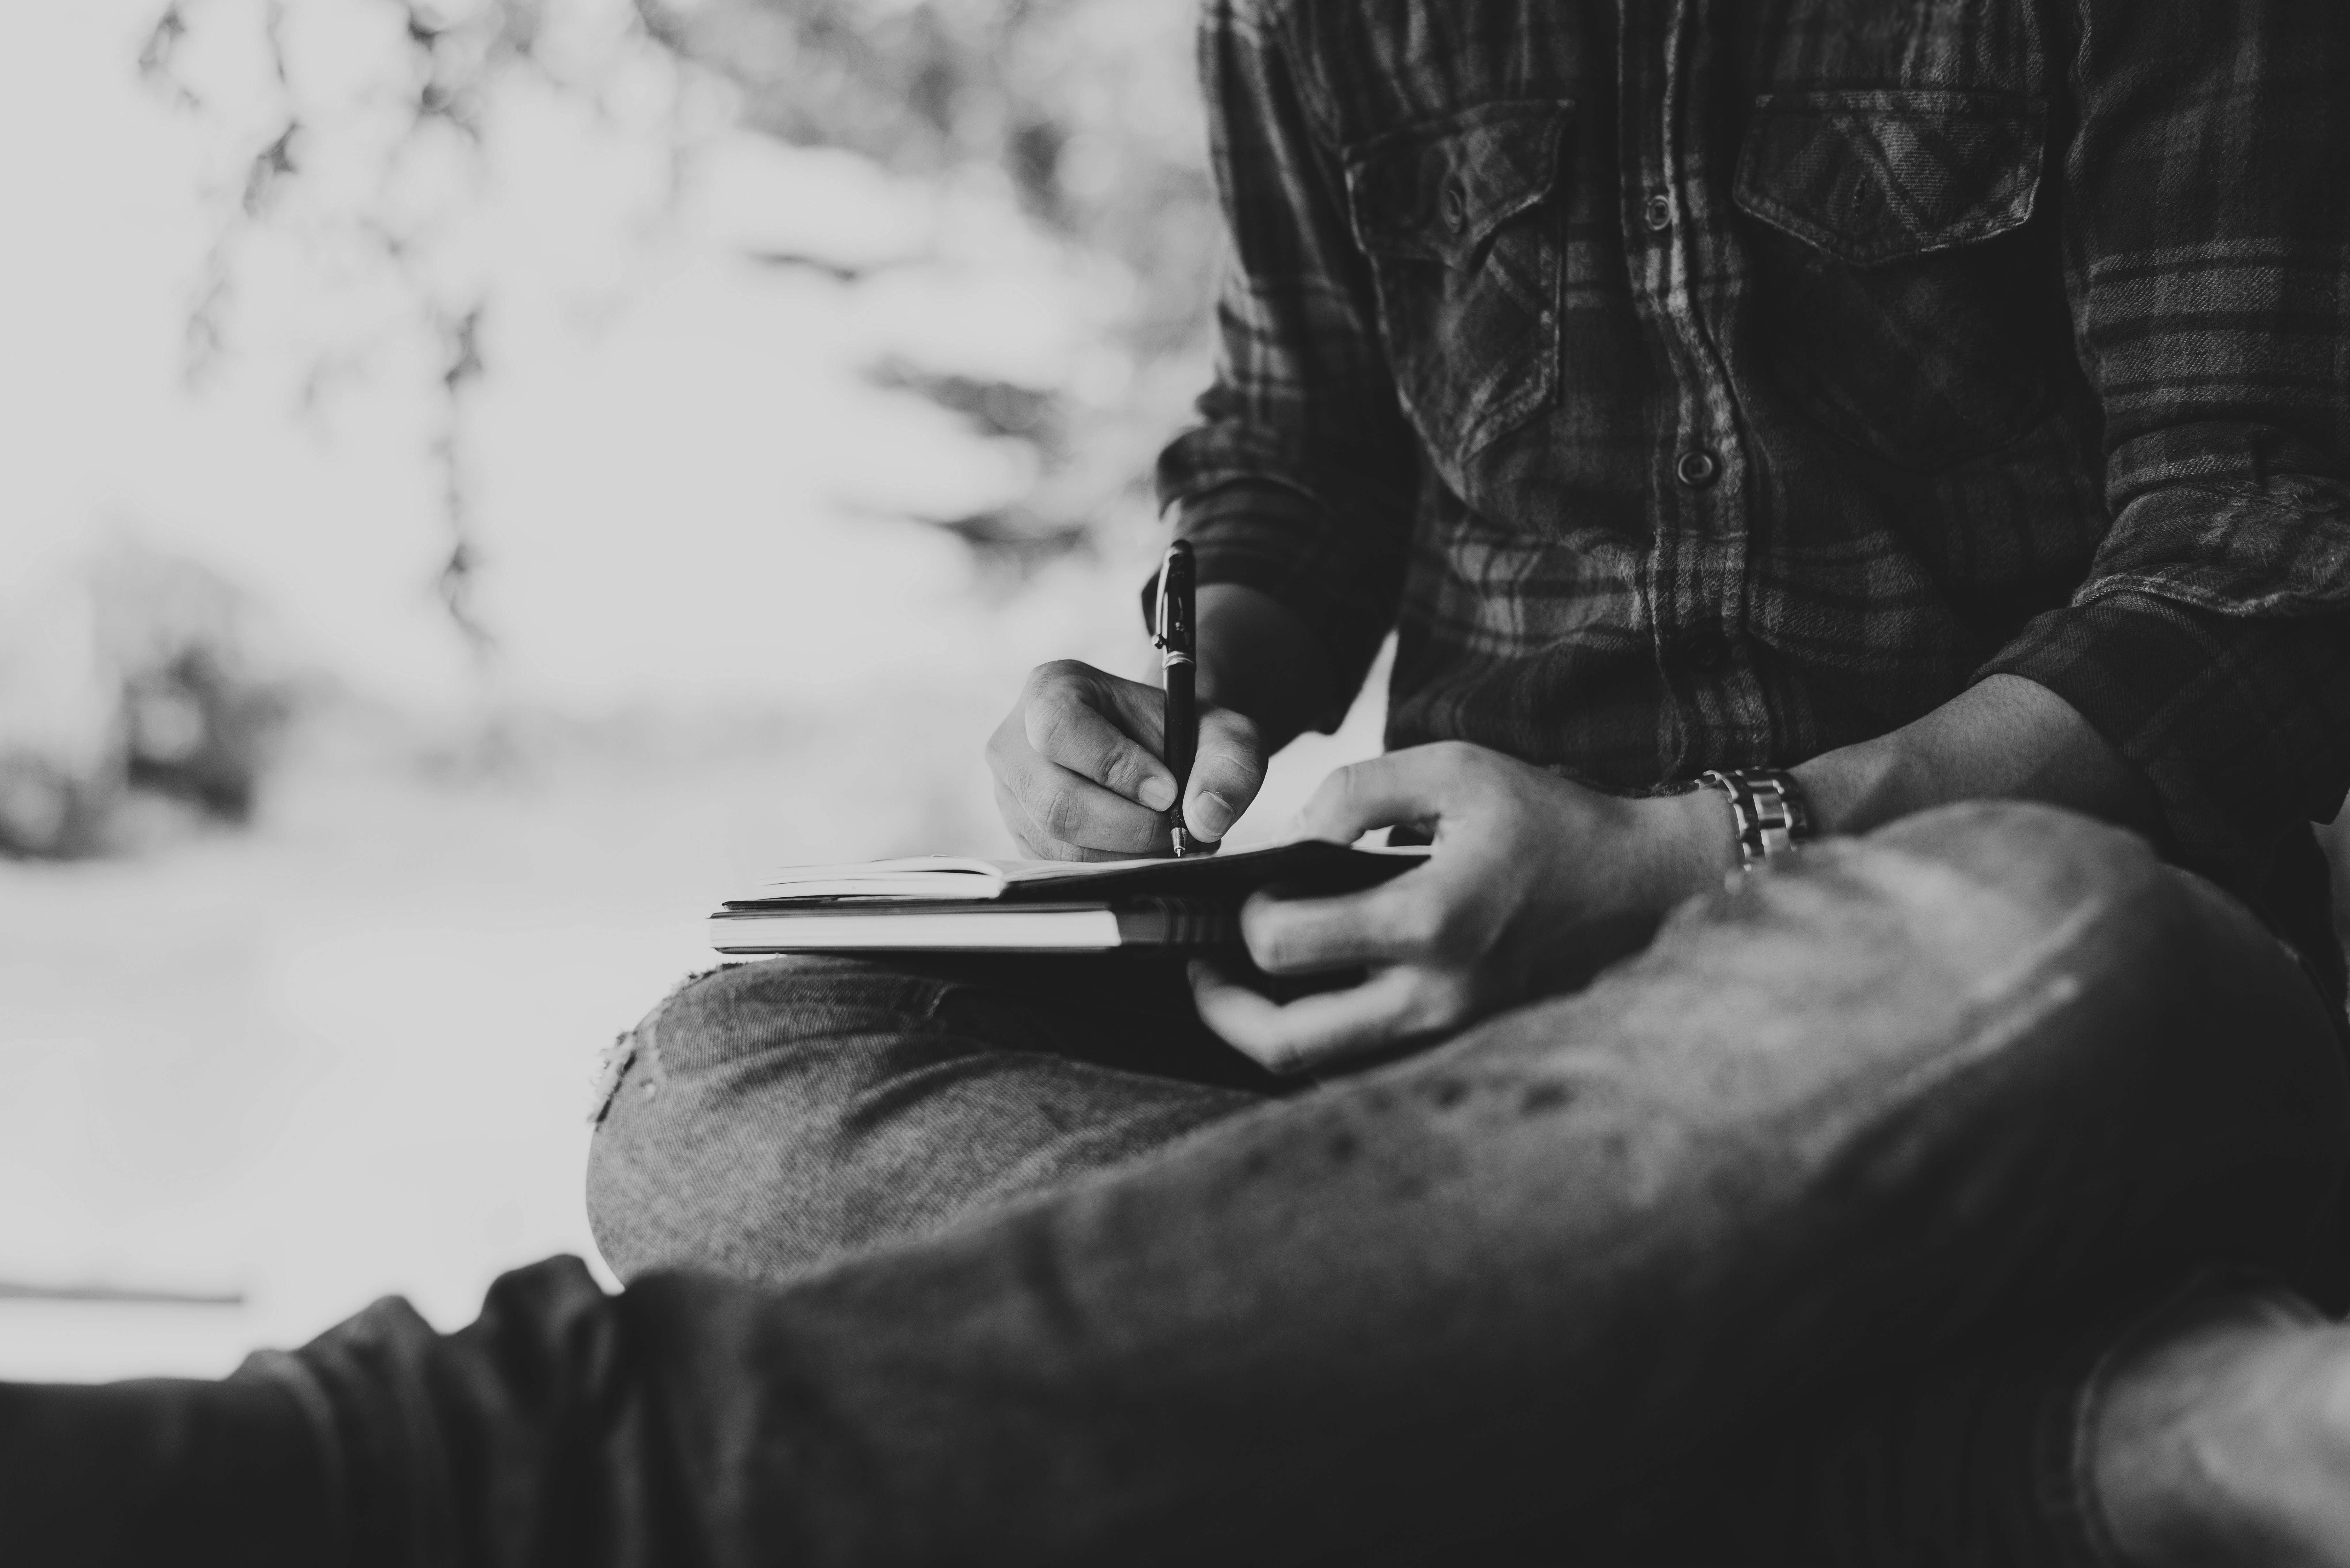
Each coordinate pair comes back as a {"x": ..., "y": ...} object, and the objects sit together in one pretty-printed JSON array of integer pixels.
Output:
[{"x": 1710, "y": 383}]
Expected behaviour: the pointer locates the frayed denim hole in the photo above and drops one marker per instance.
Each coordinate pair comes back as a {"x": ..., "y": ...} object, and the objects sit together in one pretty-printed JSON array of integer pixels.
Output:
[
  {"x": 694, "y": 978},
  {"x": 615, "y": 1061},
  {"x": 611, "y": 1072}
]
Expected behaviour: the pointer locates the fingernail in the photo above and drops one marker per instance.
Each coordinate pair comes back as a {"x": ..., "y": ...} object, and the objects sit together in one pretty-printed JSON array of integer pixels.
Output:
[
  {"x": 1158, "y": 792},
  {"x": 1210, "y": 814}
]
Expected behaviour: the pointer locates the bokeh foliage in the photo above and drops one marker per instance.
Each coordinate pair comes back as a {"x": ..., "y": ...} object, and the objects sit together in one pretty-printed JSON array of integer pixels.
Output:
[
  {"x": 1083, "y": 114},
  {"x": 1087, "y": 110},
  {"x": 1088, "y": 105}
]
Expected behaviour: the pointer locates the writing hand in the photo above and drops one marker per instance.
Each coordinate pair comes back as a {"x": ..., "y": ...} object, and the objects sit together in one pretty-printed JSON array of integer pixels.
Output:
[
  {"x": 1534, "y": 882},
  {"x": 1078, "y": 775}
]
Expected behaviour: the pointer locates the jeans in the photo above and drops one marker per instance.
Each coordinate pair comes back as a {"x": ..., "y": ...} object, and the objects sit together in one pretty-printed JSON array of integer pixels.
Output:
[{"x": 1796, "y": 1237}]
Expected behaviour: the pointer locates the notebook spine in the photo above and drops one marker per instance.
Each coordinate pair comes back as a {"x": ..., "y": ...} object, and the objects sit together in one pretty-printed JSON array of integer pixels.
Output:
[{"x": 1178, "y": 923}]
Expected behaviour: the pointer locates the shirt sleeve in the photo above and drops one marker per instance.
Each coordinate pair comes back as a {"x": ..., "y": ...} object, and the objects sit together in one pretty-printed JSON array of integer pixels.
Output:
[
  {"x": 1299, "y": 478},
  {"x": 2207, "y": 233}
]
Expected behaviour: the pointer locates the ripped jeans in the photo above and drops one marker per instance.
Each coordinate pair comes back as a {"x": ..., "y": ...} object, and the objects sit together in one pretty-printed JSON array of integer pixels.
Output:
[{"x": 1796, "y": 1238}]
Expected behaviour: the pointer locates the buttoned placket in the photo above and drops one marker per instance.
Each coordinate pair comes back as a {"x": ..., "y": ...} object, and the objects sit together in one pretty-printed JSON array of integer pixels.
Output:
[{"x": 1698, "y": 553}]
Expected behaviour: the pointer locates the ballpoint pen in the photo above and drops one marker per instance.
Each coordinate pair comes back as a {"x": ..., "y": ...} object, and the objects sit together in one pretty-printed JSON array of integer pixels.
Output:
[{"x": 1176, "y": 638}]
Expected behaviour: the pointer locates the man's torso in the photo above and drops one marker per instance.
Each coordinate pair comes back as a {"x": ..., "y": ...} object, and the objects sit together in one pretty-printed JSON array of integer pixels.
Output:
[{"x": 1739, "y": 357}]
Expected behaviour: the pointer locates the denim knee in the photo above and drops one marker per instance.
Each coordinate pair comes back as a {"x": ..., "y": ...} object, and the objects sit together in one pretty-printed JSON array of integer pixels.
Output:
[
  {"x": 2049, "y": 865},
  {"x": 766, "y": 1053},
  {"x": 2253, "y": 1039},
  {"x": 740, "y": 1012},
  {"x": 768, "y": 1118},
  {"x": 2056, "y": 871}
]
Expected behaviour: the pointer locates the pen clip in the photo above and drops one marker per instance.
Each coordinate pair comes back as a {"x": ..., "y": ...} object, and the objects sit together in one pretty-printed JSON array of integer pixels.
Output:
[{"x": 1163, "y": 629}]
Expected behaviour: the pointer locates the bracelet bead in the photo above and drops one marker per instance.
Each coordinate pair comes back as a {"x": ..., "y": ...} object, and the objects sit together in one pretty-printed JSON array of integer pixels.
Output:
[{"x": 1767, "y": 806}]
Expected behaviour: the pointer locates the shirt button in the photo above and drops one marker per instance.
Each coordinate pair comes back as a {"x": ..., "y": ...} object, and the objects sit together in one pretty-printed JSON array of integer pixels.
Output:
[
  {"x": 1456, "y": 204},
  {"x": 1704, "y": 650},
  {"x": 1697, "y": 469},
  {"x": 1657, "y": 212}
]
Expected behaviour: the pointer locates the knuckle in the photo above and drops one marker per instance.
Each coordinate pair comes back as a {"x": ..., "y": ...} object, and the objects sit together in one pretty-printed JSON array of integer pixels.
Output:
[
  {"x": 1236, "y": 734},
  {"x": 1061, "y": 814},
  {"x": 1228, "y": 765},
  {"x": 1279, "y": 1055},
  {"x": 1344, "y": 785},
  {"x": 1269, "y": 948},
  {"x": 1272, "y": 939},
  {"x": 1444, "y": 1003},
  {"x": 1122, "y": 769},
  {"x": 1048, "y": 728},
  {"x": 1056, "y": 680},
  {"x": 1061, "y": 739},
  {"x": 1023, "y": 824}
]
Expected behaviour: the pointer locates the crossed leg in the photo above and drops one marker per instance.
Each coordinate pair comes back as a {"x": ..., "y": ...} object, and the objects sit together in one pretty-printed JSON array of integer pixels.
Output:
[
  {"x": 1827, "y": 1044},
  {"x": 769, "y": 1118},
  {"x": 1981, "y": 1076}
]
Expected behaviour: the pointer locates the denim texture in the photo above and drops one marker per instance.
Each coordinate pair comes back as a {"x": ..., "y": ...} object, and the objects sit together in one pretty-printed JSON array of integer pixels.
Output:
[
  {"x": 770, "y": 1118},
  {"x": 1790, "y": 1240}
]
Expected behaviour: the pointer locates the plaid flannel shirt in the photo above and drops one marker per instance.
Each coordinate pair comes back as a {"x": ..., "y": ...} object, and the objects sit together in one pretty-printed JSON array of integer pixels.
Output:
[{"x": 1697, "y": 383}]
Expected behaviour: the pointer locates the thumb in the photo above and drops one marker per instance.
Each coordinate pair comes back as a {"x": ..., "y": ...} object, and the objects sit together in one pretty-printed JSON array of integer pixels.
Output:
[{"x": 1226, "y": 774}]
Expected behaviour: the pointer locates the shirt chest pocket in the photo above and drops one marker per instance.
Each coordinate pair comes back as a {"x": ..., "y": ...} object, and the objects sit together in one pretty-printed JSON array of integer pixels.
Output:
[
  {"x": 1460, "y": 221},
  {"x": 1905, "y": 298}
]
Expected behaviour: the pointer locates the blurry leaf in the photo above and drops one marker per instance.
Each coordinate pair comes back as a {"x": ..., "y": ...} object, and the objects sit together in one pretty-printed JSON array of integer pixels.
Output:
[
  {"x": 1085, "y": 110},
  {"x": 199, "y": 731},
  {"x": 138, "y": 672},
  {"x": 1015, "y": 537},
  {"x": 270, "y": 165},
  {"x": 994, "y": 407},
  {"x": 839, "y": 271},
  {"x": 157, "y": 54},
  {"x": 464, "y": 358}
]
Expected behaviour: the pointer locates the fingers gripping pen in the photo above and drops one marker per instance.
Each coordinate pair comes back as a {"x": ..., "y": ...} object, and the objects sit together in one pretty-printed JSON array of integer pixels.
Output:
[{"x": 1178, "y": 642}]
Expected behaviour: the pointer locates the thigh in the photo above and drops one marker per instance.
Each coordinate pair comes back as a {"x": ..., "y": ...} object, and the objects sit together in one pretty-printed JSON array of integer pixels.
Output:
[
  {"x": 2168, "y": 1101},
  {"x": 771, "y": 1118},
  {"x": 1838, "y": 1120},
  {"x": 1843, "y": 1122}
]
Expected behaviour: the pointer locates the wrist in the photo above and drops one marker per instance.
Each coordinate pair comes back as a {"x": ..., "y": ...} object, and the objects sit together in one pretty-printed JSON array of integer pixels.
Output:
[
  {"x": 1856, "y": 788},
  {"x": 1694, "y": 845},
  {"x": 2003, "y": 738}
]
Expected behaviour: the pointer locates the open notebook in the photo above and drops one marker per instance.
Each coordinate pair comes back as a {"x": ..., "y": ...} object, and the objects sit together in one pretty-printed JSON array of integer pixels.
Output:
[{"x": 938, "y": 901}]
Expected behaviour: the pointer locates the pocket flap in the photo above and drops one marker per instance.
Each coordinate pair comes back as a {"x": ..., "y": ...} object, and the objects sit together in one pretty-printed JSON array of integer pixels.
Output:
[
  {"x": 1438, "y": 192},
  {"x": 1875, "y": 177}
]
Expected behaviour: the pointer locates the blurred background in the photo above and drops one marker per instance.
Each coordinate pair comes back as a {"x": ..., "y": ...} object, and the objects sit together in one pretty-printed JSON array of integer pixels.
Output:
[{"x": 480, "y": 481}]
